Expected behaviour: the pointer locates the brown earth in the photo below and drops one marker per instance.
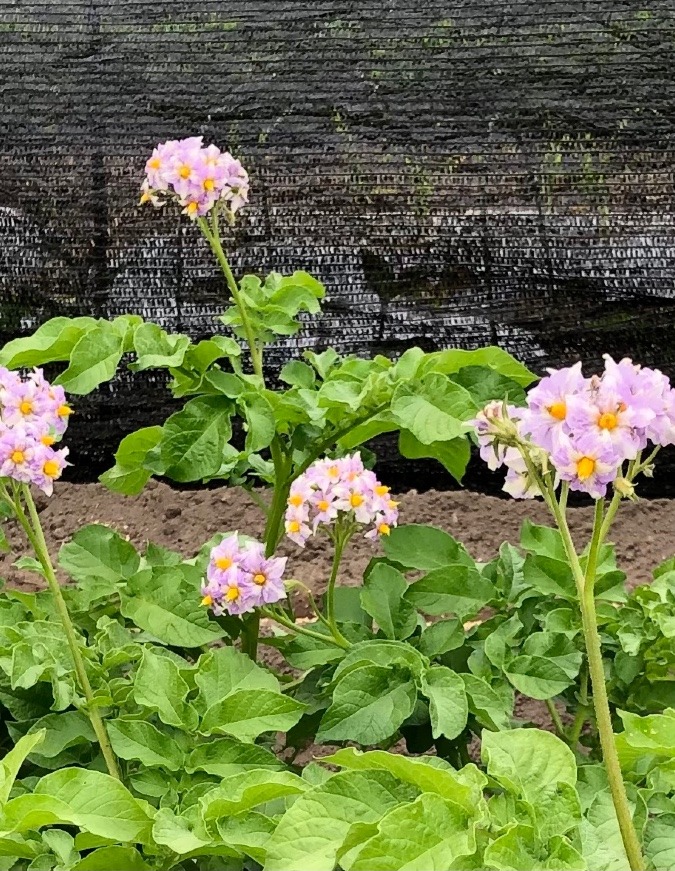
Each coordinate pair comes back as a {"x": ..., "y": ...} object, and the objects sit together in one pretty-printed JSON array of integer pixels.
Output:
[{"x": 183, "y": 520}]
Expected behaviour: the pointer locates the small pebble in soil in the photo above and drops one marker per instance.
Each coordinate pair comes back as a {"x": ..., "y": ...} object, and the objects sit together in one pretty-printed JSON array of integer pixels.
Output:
[{"x": 172, "y": 512}]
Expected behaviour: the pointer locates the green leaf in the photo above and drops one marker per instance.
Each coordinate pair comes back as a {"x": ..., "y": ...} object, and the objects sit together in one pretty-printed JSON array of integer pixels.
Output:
[
  {"x": 369, "y": 704},
  {"x": 548, "y": 665},
  {"x": 453, "y": 455},
  {"x": 194, "y": 439},
  {"x": 129, "y": 475},
  {"x": 448, "y": 707},
  {"x": 453, "y": 360},
  {"x": 442, "y": 637},
  {"x": 93, "y": 360},
  {"x": 159, "y": 687},
  {"x": 653, "y": 735},
  {"x": 382, "y": 598},
  {"x": 244, "y": 791},
  {"x": 298, "y": 374},
  {"x": 519, "y": 849},
  {"x": 601, "y": 841},
  {"x": 176, "y": 832},
  {"x": 139, "y": 740},
  {"x": 260, "y": 422},
  {"x": 98, "y": 552},
  {"x": 314, "y": 828},
  {"x": 12, "y": 761},
  {"x": 156, "y": 349},
  {"x": 249, "y": 833},
  {"x": 54, "y": 340},
  {"x": 381, "y": 652},
  {"x": 492, "y": 706},
  {"x": 222, "y": 671},
  {"x": 246, "y": 714},
  {"x": 457, "y": 589},
  {"x": 163, "y": 602},
  {"x": 433, "y": 411},
  {"x": 542, "y": 541},
  {"x": 112, "y": 859},
  {"x": 427, "y": 773},
  {"x": 529, "y": 762},
  {"x": 415, "y": 546},
  {"x": 659, "y": 840},
  {"x": 436, "y": 833},
  {"x": 224, "y": 757},
  {"x": 485, "y": 385},
  {"x": 94, "y": 801},
  {"x": 549, "y": 576},
  {"x": 62, "y": 731}
]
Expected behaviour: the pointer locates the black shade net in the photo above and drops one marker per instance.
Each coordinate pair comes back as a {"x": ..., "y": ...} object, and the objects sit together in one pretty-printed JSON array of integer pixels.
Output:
[{"x": 457, "y": 173}]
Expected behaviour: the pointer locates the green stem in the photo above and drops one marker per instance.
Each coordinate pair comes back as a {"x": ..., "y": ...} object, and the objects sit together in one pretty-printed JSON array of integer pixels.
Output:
[
  {"x": 213, "y": 237},
  {"x": 603, "y": 718},
  {"x": 33, "y": 530},
  {"x": 586, "y": 586},
  {"x": 250, "y": 633},
  {"x": 301, "y": 630},
  {"x": 341, "y": 540},
  {"x": 555, "y": 718}
]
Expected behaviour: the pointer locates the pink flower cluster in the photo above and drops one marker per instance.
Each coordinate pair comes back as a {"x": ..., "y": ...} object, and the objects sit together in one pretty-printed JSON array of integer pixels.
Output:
[
  {"x": 33, "y": 417},
  {"x": 331, "y": 489},
  {"x": 586, "y": 427},
  {"x": 198, "y": 176},
  {"x": 240, "y": 577}
]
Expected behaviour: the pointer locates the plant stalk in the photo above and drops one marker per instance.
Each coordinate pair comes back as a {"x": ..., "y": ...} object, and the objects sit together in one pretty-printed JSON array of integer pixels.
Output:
[
  {"x": 340, "y": 541},
  {"x": 301, "y": 630},
  {"x": 35, "y": 534}
]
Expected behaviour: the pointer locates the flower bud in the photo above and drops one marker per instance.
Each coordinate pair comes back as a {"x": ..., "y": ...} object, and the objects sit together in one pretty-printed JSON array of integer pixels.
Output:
[{"x": 625, "y": 488}]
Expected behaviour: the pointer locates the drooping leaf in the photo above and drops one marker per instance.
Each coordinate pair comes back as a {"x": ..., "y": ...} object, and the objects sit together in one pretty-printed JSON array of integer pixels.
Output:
[
  {"x": 99, "y": 553},
  {"x": 129, "y": 474},
  {"x": 453, "y": 455},
  {"x": 491, "y": 705},
  {"x": 415, "y": 546},
  {"x": 93, "y": 360},
  {"x": 448, "y": 707},
  {"x": 155, "y": 348},
  {"x": 222, "y": 671},
  {"x": 382, "y": 598},
  {"x": 244, "y": 791},
  {"x": 453, "y": 589},
  {"x": 369, "y": 704},
  {"x": 112, "y": 859},
  {"x": 224, "y": 757},
  {"x": 54, "y": 340},
  {"x": 159, "y": 687}
]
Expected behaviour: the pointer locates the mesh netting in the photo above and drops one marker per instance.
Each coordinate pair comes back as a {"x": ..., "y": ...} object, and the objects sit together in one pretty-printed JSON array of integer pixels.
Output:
[{"x": 463, "y": 173}]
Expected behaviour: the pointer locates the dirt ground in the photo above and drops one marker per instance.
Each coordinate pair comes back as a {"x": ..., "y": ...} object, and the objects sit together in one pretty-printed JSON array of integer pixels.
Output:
[{"x": 183, "y": 520}]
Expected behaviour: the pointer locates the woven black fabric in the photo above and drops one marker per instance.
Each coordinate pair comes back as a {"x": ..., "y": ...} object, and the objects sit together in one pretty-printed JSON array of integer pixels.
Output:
[{"x": 460, "y": 172}]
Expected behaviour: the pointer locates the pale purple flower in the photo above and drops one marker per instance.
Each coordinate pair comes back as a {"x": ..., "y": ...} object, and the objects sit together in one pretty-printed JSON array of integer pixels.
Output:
[
  {"x": 489, "y": 424},
  {"x": 264, "y": 575},
  {"x": 47, "y": 465},
  {"x": 588, "y": 463},
  {"x": 546, "y": 416},
  {"x": 519, "y": 484},
  {"x": 17, "y": 453},
  {"x": 603, "y": 413},
  {"x": 225, "y": 560},
  {"x": 335, "y": 488}
]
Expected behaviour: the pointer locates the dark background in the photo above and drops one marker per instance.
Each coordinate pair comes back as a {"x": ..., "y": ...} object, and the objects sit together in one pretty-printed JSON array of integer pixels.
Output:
[{"x": 456, "y": 173}]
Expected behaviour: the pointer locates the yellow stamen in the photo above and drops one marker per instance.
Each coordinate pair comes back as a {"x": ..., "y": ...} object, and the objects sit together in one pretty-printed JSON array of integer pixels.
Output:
[
  {"x": 223, "y": 563},
  {"x": 64, "y": 411},
  {"x": 207, "y": 600},
  {"x": 295, "y": 500},
  {"x": 333, "y": 471},
  {"x": 355, "y": 500},
  {"x": 381, "y": 490},
  {"x": 558, "y": 410},
  {"x": 145, "y": 198},
  {"x": 208, "y": 184},
  {"x": 259, "y": 579},
  {"x": 384, "y": 529},
  {"x": 232, "y": 594},
  {"x": 585, "y": 468},
  {"x": 185, "y": 170},
  {"x": 47, "y": 440},
  {"x": 293, "y": 526},
  {"x": 154, "y": 163},
  {"x": 51, "y": 469},
  {"x": 323, "y": 505},
  {"x": 18, "y": 457},
  {"x": 608, "y": 420},
  {"x": 26, "y": 406},
  {"x": 192, "y": 208},
  {"x": 393, "y": 504}
]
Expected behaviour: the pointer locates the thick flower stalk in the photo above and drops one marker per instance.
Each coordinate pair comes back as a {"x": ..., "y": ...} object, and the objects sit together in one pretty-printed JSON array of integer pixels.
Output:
[
  {"x": 33, "y": 417},
  {"x": 589, "y": 435}
]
